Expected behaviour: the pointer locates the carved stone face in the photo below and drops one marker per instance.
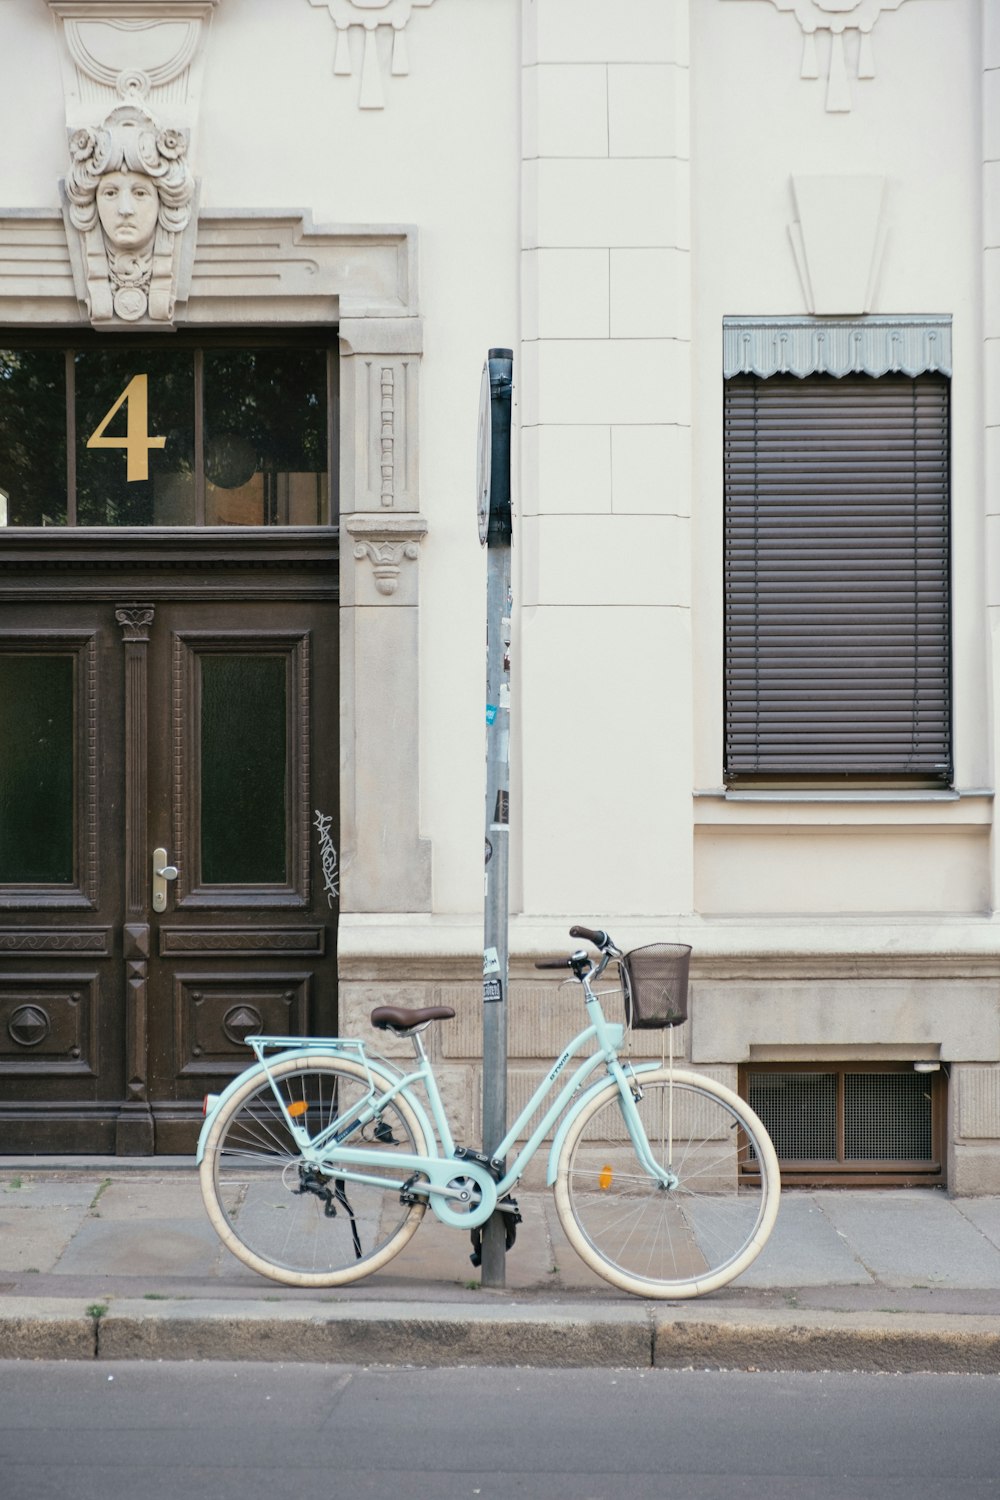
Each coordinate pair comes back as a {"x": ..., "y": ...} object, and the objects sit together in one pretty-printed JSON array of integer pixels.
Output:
[{"x": 128, "y": 205}]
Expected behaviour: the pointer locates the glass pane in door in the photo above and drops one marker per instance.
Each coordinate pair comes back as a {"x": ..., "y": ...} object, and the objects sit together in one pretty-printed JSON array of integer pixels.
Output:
[
  {"x": 266, "y": 450},
  {"x": 135, "y": 437},
  {"x": 244, "y": 769},
  {"x": 32, "y": 437},
  {"x": 36, "y": 769}
]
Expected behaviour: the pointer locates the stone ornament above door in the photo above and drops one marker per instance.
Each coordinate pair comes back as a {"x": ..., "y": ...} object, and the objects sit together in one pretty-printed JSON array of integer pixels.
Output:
[
  {"x": 838, "y": 18},
  {"x": 129, "y": 203},
  {"x": 115, "y": 49},
  {"x": 131, "y": 78},
  {"x": 371, "y": 15}
]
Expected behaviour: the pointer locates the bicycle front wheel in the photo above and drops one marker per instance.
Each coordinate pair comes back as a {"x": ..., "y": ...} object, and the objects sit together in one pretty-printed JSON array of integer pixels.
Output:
[
  {"x": 688, "y": 1236},
  {"x": 291, "y": 1223}
]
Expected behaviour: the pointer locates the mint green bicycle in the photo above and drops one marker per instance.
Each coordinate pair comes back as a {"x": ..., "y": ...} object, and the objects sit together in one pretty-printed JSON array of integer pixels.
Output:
[{"x": 318, "y": 1163}]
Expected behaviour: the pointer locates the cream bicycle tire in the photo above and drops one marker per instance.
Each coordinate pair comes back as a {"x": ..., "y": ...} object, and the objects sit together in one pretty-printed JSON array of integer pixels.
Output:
[
  {"x": 668, "y": 1243},
  {"x": 250, "y": 1182}
]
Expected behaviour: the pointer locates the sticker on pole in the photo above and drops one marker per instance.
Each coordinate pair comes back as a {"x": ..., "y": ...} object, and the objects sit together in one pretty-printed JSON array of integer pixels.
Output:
[
  {"x": 492, "y": 991},
  {"x": 491, "y": 962}
]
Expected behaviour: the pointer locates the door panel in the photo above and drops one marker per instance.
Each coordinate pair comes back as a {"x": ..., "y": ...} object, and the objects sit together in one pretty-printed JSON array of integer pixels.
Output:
[
  {"x": 36, "y": 767},
  {"x": 240, "y": 752},
  {"x": 188, "y": 706},
  {"x": 241, "y": 812},
  {"x": 241, "y": 749},
  {"x": 61, "y": 1009}
]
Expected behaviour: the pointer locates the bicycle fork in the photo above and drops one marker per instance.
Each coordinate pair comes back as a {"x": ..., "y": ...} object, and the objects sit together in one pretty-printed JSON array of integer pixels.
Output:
[{"x": 631, "y": 1094}]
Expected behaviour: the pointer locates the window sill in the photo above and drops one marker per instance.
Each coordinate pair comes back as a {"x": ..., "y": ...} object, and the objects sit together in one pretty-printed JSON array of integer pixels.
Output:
[
  {"x": 831, "y": 794},
  {"x": 869, "y": 806}
]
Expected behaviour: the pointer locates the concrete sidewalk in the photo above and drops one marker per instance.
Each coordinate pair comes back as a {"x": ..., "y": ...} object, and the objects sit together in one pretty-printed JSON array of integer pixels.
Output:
[{"x": 114, "y": 1258}]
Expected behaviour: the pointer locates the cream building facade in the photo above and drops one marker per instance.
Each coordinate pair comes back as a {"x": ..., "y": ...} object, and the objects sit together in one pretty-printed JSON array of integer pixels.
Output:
[{"x": 644, "y": 200}]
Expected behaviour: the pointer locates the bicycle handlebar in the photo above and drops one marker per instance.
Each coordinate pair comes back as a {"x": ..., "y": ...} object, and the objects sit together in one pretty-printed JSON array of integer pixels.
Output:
[
  {"x": 579, "y": 961},
  {"x": 596, "y": 936}
]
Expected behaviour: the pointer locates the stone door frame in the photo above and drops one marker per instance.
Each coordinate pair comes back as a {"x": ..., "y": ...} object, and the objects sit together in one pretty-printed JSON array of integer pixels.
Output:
[{"x": 272, "y": 269}]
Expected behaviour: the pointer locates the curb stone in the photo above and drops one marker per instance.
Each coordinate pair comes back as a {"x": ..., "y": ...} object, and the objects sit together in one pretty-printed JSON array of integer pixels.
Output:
[
  {"x": 904, "y": 1346},
  {"x": 523, "y": 1334},
  {"x": 55, "y": 1329},
  {"x": 381, "y": 1335}
]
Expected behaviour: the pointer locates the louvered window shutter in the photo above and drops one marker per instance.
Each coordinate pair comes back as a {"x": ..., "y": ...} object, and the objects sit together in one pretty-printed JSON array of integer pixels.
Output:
[{"x": 837, "y": 627}]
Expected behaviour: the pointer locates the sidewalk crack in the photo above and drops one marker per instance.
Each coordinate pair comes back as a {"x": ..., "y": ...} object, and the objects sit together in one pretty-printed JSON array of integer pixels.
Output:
[
  {"x": 95, "y": 1312},
  {"x": 983, "y": 1233},
  {"x": 851, "y": 1248},
  {"x": 102, "y": 1188}
]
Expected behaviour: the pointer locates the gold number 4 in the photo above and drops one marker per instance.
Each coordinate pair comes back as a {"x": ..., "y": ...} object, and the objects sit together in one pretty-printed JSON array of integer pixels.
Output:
[{"x": 137, "y": 441}]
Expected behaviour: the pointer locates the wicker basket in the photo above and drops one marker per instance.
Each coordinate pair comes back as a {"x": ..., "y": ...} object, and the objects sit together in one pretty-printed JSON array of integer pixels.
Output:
[{"x": 655, "y": 985}]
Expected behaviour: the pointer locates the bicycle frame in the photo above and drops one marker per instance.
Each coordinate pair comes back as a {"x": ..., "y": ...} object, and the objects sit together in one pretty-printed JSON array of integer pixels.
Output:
[{"x": 447, "y": 1175}]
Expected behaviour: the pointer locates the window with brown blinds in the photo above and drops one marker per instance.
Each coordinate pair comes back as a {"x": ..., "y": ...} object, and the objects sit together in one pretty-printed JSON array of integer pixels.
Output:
[{"x": 837, "y": 579}]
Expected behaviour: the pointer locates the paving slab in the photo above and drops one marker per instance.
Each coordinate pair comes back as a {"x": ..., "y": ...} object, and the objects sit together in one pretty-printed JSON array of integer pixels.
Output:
[
  {"x": 984, "y": 1213},
  {"x": 18, "y": 1190},
  {"x": 914, "y": 1239},
  {"x": 35, "y": 1240},
  {"x": 147, "y": 1247},
  {"x": 150, "y": 1198},
  {"x": 541, "y": 1258},
  {"x": 805, "y": 1249}
]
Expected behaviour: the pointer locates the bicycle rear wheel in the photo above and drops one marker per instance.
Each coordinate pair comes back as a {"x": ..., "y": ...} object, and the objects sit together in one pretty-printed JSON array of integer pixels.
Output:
[
  {"x": 668, "y": 1241},
  {"x": 296, "y": 1226}
]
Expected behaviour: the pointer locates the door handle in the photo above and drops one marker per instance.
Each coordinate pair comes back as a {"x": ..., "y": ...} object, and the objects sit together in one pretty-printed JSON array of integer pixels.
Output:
[{"x": 162, "y": 872}]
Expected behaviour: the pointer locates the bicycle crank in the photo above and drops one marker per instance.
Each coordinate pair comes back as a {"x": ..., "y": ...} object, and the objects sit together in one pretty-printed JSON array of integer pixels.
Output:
[{"x": 464, "y": 1199}]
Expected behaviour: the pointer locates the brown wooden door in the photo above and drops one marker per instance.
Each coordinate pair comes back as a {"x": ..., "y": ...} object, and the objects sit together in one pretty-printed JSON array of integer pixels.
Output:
[
  {"x": 62, "y": 1012},
  {"x": 178, "y": 695}
]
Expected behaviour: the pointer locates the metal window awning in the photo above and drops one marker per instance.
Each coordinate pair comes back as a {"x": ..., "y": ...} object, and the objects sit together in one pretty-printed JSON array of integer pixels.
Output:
[{"x": 874, "y": 345}]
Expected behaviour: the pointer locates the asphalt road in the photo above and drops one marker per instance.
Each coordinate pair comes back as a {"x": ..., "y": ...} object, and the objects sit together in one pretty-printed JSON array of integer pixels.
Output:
[{"x": 107, "y": 1431}]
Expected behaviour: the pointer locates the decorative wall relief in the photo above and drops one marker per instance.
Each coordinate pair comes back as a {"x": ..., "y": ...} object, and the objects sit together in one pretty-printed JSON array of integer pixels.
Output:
[
  {"x": 131, "y": 77},
  {"x": 129, "y": 197},
  {"x": 839, "y": 19},
  {"x": 48, "y": 1024},
  {"x": 160, "y": 44},
  {"x": 379, "y": 415},
  {"x": 387, "y": 543},
  {"x": 838, "y": 237},
  {"x": 371, "y": 14}
]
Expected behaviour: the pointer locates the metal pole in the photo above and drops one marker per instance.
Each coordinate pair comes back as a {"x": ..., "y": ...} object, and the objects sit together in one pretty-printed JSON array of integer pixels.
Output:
[{"x": 497, "y": 525}]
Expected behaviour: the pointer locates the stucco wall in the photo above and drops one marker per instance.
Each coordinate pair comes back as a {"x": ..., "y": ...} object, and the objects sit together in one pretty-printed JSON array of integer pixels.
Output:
[{"x": 597, "y": 186}]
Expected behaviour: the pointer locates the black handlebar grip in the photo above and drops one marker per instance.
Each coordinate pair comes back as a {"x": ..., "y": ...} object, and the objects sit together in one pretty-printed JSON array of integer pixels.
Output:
[
  {"x": 552, "y": 963},
  {"x": 598, "y": 938}
]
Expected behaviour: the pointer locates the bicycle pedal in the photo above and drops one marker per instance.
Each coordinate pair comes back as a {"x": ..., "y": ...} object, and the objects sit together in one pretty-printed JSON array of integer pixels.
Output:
[
  {"x": 512, "y": 1217},
  {"x": 508, "y": 1206}
]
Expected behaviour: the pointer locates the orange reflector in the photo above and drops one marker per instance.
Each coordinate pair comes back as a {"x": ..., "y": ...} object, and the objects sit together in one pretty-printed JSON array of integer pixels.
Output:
[
  {"x": 604, "y": 1177},
  {"x": 298, "y": 1108}
]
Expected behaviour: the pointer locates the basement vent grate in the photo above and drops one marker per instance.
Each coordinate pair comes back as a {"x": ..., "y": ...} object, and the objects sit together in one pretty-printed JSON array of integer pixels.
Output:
[
  {"x": 843, "y": 1117},
  {"x": 887, "y": 1117}
]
